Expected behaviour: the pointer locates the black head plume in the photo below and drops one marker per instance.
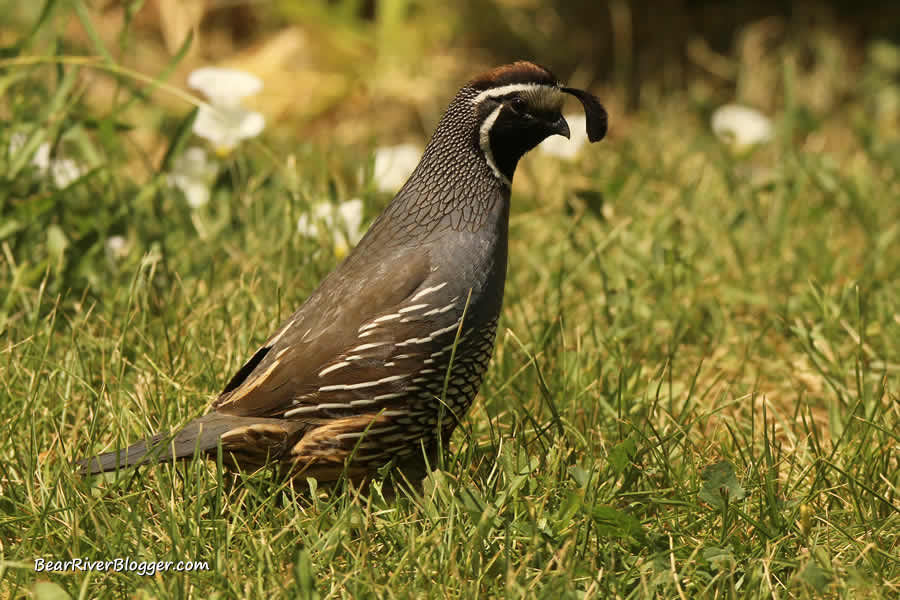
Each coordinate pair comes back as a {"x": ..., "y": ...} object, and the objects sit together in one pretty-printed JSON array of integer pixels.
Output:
[
  {"x": 505, "y": 113},
  {"x": 594, "y": 113}
]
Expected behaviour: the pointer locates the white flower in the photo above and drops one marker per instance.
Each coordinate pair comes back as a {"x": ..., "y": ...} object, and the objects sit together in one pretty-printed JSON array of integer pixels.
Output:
[
  {"x": 394, "y": 165},
  {"x": 41, "y": 158},
  {"x": 741, "y": 127},
  {"x": 193, "y": 173},
  {"x": 63, "y": 171},
  {"x": 116, "y": 247},
  {"x": 567, "y": 149},
  {"x": 343, "y": 221},
  {"x": 224, "y": 121}
]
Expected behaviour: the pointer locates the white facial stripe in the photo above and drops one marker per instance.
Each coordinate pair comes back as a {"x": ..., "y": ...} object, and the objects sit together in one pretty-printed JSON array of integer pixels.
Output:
[
  {"x": 539, "y": 96},
  {"x": 484, "y": 138},
  {"x": 510, "y": 89}
]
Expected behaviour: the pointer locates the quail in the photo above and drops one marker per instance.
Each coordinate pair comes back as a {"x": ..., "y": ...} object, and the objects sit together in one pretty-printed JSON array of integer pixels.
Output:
[{"x": 384, "y": 358}]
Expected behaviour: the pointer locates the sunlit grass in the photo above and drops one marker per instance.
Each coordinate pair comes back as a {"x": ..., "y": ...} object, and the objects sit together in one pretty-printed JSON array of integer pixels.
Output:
[{"x": 695, "y": 392}]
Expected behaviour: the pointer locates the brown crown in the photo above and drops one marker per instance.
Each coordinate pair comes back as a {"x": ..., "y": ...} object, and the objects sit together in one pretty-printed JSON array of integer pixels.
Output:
[{"x": 518, "y": 72}]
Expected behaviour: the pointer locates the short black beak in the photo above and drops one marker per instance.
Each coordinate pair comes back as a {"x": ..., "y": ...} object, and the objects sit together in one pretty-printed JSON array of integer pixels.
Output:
[{"x": 561, "y": 127}]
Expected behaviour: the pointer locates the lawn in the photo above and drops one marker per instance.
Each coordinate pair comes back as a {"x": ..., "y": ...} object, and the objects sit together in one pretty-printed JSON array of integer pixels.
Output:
[{"x": 695, "y": 390}]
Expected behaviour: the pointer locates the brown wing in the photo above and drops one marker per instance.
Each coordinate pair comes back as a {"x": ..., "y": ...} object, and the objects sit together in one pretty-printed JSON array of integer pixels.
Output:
[
  {"x": 288, "y": 365},
  {"x": 394, "y": 356}
]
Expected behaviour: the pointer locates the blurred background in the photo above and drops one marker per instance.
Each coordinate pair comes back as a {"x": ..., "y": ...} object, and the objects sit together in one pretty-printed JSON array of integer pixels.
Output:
[
  {"x": 347, "y": 70},
  {"x": 100, "y": 174}
]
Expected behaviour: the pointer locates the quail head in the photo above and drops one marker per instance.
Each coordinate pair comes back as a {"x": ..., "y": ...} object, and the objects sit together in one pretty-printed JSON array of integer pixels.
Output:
[{"x": 384, "y": 358}]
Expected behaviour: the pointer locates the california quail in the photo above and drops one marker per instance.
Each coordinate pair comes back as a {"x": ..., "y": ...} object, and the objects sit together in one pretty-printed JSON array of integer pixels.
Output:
[{"x": 358, "y": 376}]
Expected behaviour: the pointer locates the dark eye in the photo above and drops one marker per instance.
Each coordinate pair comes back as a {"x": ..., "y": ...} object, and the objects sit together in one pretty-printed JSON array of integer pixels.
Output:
[{"x": 518, "y": 103}]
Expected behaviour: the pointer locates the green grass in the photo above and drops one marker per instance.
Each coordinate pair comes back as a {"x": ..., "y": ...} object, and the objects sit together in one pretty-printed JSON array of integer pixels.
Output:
[{"x": 695, "y": 392}]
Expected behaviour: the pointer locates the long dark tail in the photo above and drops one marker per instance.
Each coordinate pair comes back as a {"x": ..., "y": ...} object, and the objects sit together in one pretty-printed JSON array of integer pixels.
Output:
[{"x": 199, "y": 436}]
